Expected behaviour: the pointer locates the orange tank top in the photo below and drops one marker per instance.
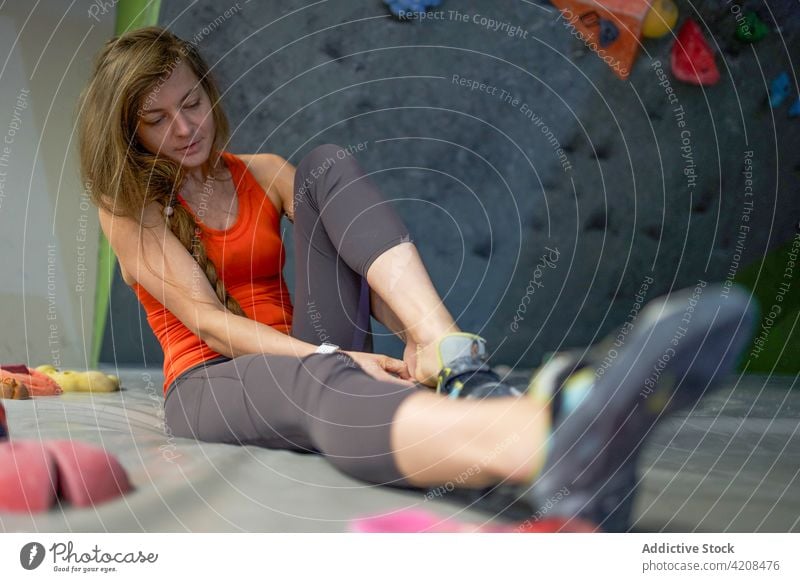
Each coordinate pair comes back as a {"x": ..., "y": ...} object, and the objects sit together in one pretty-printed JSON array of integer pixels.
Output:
[{"x": 249, "y": 257}]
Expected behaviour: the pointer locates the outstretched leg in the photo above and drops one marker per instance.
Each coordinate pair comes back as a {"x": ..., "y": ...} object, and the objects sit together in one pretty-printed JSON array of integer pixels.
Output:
[
  {"x": 378, "y": 431},
  {"x": 478, "y": 442}
]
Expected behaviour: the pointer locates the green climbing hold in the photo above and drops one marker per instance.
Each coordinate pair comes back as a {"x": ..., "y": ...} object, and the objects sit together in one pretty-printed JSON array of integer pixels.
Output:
[{"x": 751, "y": 28}]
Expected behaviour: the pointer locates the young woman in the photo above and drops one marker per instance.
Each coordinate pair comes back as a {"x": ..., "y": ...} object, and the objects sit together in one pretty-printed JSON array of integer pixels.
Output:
[{"x": 196, "y": 231}]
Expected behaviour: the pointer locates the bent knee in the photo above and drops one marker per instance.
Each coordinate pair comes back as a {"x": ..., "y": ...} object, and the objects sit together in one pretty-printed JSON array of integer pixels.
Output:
[
  {"x": 323, "y": 158},
  {"x": 329, "y": 152}
]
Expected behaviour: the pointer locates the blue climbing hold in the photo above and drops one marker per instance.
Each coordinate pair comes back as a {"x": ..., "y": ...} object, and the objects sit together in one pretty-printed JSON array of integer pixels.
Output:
[
  {"x": 406, "y": 9},
  {"x": 779, "y": 89},
  {"x": 794, "y": 110},
  {"x": 608, "y": 32}
]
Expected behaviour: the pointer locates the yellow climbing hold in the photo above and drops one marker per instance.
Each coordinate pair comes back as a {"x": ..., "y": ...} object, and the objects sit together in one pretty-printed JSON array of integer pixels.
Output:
[
  {"x": 79, "y": 381},
  {"x": 660, "y": 19}
]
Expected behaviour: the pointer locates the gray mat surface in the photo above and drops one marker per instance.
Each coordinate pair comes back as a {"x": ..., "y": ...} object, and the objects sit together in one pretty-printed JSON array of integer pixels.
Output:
[{"x": 732, "y": 465}]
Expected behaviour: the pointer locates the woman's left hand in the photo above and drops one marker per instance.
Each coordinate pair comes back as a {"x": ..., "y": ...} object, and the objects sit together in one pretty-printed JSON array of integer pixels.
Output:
[{"x": 383, "y": 367}]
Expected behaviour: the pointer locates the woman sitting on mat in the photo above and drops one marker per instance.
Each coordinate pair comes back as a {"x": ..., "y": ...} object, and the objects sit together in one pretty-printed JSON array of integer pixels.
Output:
[{"x": 196, "y": 231}]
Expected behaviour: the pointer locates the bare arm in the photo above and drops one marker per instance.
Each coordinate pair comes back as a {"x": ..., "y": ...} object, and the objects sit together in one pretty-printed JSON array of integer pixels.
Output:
[
  {"x": 182, "y": 287},
  {"x": 283, "y": 180},
  {"x": 232, "y": 335},
  {"x": 276, "y": 175}
]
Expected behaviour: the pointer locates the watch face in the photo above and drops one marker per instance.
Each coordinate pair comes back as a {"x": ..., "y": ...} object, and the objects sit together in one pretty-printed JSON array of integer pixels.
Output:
[{"x": 327, "y": 348}]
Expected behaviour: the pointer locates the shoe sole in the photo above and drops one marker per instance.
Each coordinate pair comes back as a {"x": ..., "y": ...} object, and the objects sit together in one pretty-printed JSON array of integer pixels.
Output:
[{"x": 681, "y": 349}]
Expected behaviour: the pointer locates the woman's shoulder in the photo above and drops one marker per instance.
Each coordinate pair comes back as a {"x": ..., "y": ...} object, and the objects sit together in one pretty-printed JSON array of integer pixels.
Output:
[
  {"x": 124, "y": 234},
  {"x": 258, "y": 164}
]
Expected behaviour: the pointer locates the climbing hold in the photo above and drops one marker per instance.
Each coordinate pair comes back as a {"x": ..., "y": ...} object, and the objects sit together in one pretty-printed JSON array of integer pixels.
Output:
[
  {"x": 692, "y": 59},
  {"x": 35, "y": 474},
  {"x": 423, "y": 521},
  {"x": 80, "y": 381},
  {"x": 406, "y": 9},
  {"x": 751, "y": 28},
  {"x": 614, "y": 25},
  {"x": 20, "y": 382},
  {"x": 3, "y": 424},
  {"x": 779, "y": 89},
  {"x": 608, "y": 32},
  {"x": 660, "y": 19},
  {"x": 794, "y": 110}
]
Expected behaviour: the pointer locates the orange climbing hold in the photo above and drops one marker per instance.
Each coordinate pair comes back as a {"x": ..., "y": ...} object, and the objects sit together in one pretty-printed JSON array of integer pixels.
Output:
[
  {"x": 20, "y": 382},
  {"x": 611, "y": 28}
]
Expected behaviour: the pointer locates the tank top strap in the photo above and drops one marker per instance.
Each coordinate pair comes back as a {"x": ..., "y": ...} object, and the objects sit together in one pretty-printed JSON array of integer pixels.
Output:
[
  {"x": 236, "y": 168},
  {"x": 250, "y": 191},
  {"x": 242, "y": 179}
]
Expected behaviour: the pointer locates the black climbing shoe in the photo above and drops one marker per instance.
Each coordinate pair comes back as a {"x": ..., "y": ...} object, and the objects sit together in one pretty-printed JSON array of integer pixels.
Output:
[{"x": 680, "y": 349}]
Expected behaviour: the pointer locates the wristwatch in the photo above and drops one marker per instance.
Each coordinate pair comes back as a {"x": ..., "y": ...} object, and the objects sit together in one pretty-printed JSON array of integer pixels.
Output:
[{"x": 326, "y": 348}]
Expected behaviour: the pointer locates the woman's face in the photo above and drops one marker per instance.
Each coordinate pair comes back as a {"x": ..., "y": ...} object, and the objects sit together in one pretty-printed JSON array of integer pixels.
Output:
[{"x": 174, "y": 114}]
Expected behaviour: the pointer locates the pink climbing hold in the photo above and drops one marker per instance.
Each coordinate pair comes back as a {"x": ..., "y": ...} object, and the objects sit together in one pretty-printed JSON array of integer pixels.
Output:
[
  {"x": 407, "y": 521},
  {"x": 692, "y": 58},
  {"x": 420, "y": 521},
  {"x": 28, "y": 477},
  {"x": 87, "y": 475},
  {"x": 34, "y": 474}
]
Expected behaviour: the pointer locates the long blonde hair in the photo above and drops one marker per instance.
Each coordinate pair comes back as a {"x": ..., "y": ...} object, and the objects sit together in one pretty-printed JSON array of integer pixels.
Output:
[{"x": 120, "y": 174}]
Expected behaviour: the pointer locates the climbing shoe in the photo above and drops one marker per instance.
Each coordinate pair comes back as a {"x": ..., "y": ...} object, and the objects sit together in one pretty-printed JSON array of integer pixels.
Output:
[
  {"x": 464, "y": 369},
  {"x": 563, "y": 382},
  {"x": 680, "y": 348}
]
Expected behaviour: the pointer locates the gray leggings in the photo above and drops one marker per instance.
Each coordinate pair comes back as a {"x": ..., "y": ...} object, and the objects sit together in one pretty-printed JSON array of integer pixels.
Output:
[{"x": 319, "y": 403}]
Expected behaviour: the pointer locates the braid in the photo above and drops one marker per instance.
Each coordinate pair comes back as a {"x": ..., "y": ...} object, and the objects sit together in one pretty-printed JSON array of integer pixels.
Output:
[{"x": 183, "y": 225}]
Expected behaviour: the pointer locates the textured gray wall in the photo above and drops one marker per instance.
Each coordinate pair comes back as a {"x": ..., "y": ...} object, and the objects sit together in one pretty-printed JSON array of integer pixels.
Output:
[{"x": 480, "y": 183}]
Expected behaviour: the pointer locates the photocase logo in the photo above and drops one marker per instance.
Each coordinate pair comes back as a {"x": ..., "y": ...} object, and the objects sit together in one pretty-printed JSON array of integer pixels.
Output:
[{"x": 31, "y": 555}]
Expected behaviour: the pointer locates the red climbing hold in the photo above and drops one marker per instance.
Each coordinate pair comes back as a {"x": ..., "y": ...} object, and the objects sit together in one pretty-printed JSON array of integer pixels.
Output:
[
  {"x": 559, "y": 525},
  {"x": 692, "y": 58}
]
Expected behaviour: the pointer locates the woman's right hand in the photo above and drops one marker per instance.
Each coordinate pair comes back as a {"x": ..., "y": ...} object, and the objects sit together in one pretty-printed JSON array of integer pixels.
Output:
[{"x": 382, "y": 367}]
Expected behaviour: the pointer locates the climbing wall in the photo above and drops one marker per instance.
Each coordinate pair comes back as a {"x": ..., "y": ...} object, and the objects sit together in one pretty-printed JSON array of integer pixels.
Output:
[
  {"x": 548, "y": 197},
  {"x": 48, "y": 227}
]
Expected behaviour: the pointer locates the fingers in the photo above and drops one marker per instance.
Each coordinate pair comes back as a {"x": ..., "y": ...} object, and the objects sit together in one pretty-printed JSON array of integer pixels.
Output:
[
  {"x": 396, "y": 380},
  {"x": 393, "y": 370},
  {"x": 384, "y": 368},
  {"x": 395, "y": 366},
  {"x": 379, "y": 373}
]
